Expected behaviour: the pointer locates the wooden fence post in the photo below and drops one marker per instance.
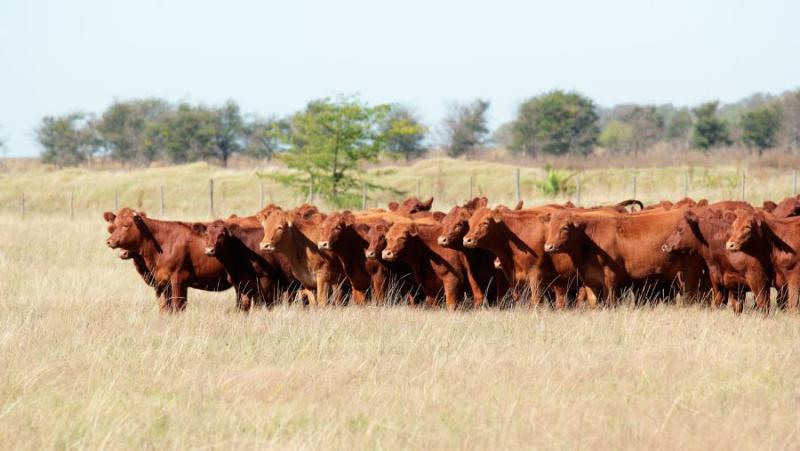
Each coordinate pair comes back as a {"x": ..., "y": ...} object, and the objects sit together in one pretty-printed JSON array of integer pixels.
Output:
[
  {"x": 519, "y": 189},
  {"x": 211, "y": 197},
  {"x": 161, "y": 196},
  {"x": 364, "y": 196}
]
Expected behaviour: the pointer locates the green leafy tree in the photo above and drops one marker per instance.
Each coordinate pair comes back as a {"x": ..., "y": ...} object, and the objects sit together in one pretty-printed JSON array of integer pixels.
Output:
[
  {"x": 646, "y": 125},
  {"x": 328, "y": 143},
  {"x": 557, "y": 122},
  {"x": 66, "y": 140},
  {"x": 709, "y": 130},
  {"x": 187, "y": 134},
  {"x": 465, "y": 128},
  {"x": 263, "y": 137},
  {"x": 617, "y": 136},
  {"x": 405, "y": 134},
  {"x": 123, "y": 129},
  {"x": 790, "y": 112},
  {"x": 760, "y": 127},
  {"x": 229, "y": 130}
]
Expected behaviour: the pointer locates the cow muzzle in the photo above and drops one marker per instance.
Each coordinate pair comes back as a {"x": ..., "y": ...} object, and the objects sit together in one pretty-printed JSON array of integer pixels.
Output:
[
  {"x": 124, "y": 255},
  {"x": 550, "y": 247},
  {"x": 324, "y": 245},
  {"x": 388, "y": 255},
  {"x": 112, "y": 244},
  {"x": 370, "y": 254},
  {"x": 267, "y": 247},
  {"x": 442, "y": 240},
  {"x": 209, "y": 251},
  {"x": 733, "y": 246},
  {"x": 469, "y": 242}
]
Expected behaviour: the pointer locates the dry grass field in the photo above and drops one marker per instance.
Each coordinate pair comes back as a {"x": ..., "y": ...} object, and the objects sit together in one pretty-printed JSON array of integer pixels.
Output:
[{"x": 87, "y": 362}]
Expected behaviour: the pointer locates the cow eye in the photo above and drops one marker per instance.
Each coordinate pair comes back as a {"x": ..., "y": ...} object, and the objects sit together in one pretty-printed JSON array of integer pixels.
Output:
[{"x": 564, "y": 228}]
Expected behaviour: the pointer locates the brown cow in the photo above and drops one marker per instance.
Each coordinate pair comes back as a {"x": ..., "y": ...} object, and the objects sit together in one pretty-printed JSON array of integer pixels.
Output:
[
  {"x": 704, "y": 232},
  {"x": 411, "y": 205},
  {"x": 257, "y": 278},
  {"x": 171, "y": 252},
  {"x": 788, "y": 207},
  {"x": 757, "y": 233},
  {"x": 516, "y": 238},
  {"x": 295, "y": 233},
  {"x": 487, "y": 277},
  {"x": 612, "y": 250},
  {"x": 436, "y": 269}
]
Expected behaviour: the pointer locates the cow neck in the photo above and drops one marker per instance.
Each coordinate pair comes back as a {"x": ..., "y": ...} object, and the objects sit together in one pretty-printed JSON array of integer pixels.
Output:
[
  {"x": 150, "y": 247},
  {"x": 142, "y": 268},
  {"x": 513, "y": 251},
  {"x": 234, "y": 254},
  {"x": 780, "y": 230},
  {"x": 349, "y": 249}
]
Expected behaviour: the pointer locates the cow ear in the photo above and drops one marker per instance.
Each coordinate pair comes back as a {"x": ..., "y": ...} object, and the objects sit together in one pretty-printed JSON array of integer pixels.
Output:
[
  {"x": 412, "y": 230},
  {"x": 545, "y": 218},
  {"x": 362, "y": 228},
  {"x": 198, "y": 227},
  {"x": 519, "y": 205},
  {"x": 393, "y": 206},
  {"x": 702, "y": 203},
  {"x": 497, "y": 215},
  {"x": 232, "y": 229},
  {"x": 426, "y": 205},
  {"x": 349, "y": 218},
  {"x": 482, "y": 202},
  {"x": 769, "y": 205},
  {"x": 569, "y": 204},
  {"x": 232, "y": 216},
  {"x": 109, "y": 216},
  {"x": 690, "y": 216}
]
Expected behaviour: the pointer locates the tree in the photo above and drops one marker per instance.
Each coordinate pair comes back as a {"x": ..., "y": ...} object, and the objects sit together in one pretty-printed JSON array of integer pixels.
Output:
[
  {"x": 263, "y": 137},
  {"x": 328, "y": 142},
  {"x": 678, "y": 127},
  {"x": 556, "y": 123},
  {"x": 646, "y": 125},
  {"x": 187, "y": 134},
  {"x": 66, "y": 140},
  {"x": 465, "y": 127},
  {"x": 404, "y": 132},
  {"x": 709, "y": 131},
  {"x": 229, "y": 131},
  {"x": 790, "y": 107},
  {"x": 617, "y": 136},
  {"x": 123, "y": 128},
  {"x": 760, "y": 127}
]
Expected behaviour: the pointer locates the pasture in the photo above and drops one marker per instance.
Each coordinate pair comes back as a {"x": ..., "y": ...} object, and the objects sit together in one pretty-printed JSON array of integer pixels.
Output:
[{"x": 87, "y": 361}]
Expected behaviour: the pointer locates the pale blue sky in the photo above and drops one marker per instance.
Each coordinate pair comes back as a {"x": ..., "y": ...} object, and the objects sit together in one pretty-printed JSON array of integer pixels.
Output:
[{"x": 272, "y": 57}]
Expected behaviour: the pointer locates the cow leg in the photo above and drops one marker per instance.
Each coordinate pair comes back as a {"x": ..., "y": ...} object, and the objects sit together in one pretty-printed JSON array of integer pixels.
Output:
[
  {"x": 736, "y": 299},
  {"x": 537, "y": 293},
  {"x": 452, "y": 294},
  {"x": 163, "y": 296},
  {"x": 760, "y": 289},
  {"x": 782, "y": 297},
  {"x": 792, "y": 290},
  {"x": 430, "y": 301},
  {"x": 561, "y": 297},
  {"x": 378, "y": 280},
  {"x": 359, "y": 297},
  {"x": 717, "y": 297},
  {"x": 179, "y": 294},
  {"x": 322, "y": 289},
  {"x": 476, "y": 289}
]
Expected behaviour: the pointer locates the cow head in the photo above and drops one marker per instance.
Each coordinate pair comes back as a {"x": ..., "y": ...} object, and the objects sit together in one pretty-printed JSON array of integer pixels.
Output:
[
  {"x": 788, "y": 207},
  {"x": 376, "y": 238},
  {"x": 331, "y": 229},
  {"x": 482, "y": 225},
  {"x": 685, "y": 236},
  {"x": 562, "y": 228},
  {"x": 744, "y": 225},
  {"x": 456, "y": 223},
  {"x": 127, "y": 229},
  {"x": 411, "y": 205},
  {"x": 275, "y": 224},
  {"x": 215, "y": 236},
  {"x": 397, "y": 239}
]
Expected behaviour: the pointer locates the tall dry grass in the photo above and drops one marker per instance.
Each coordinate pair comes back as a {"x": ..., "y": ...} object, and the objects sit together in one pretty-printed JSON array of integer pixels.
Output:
[{"x": 87, "y": 362}]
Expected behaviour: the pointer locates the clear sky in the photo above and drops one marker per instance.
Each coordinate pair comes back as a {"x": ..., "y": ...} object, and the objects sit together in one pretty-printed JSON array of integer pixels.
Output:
[{"x": 273, "y": 57}]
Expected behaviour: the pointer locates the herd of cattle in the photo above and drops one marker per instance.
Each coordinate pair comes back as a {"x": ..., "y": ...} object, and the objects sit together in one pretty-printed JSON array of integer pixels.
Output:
[{"x": 559, "y": 254}]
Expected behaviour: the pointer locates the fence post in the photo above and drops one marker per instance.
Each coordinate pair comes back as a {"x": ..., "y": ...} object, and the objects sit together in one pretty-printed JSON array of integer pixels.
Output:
[
  {"x": 72, "y": 205},
  {"x": 418, "y": 190},
  {"x": 744, "y": 184},
  {"x": 22, "y": 205},
  {"x": 471, "y": 196},
  {"x": 261, "y": 196},
  {"x": 578, "y": 191},
  {"x": 364, "y": 196},
  {"x": 794, "y": 182},
  {"x": 116, "y": 200},
  {"x": 211, "y": 197},
  {"x": 633, "y": 186},
  {"x": 519, "y": 190},
  {"x": 161, "y": 195},
  {"x": 686, "y": 184}
]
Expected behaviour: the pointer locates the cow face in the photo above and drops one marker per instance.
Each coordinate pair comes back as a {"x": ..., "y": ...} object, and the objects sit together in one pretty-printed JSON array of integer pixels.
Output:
[
  {"x": 482, "y": 225},
  {"x": 215, "y": 236},
  {"x": 562, "y": 227},
  {"x": 454, "y": 226},
  {"x": 411, "y": 205},
  {"x": 276, "y": 225},
  {"x": 330, "y": 230},
  {"x": 125, "y": 228},
  {"x": 745, "y": 224},
  {"x": 684, "y": 237},
  {"x": 376, "y": 239},
  {"x": 788, "y": 207},
  {"x": 397, "y": 239}
]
